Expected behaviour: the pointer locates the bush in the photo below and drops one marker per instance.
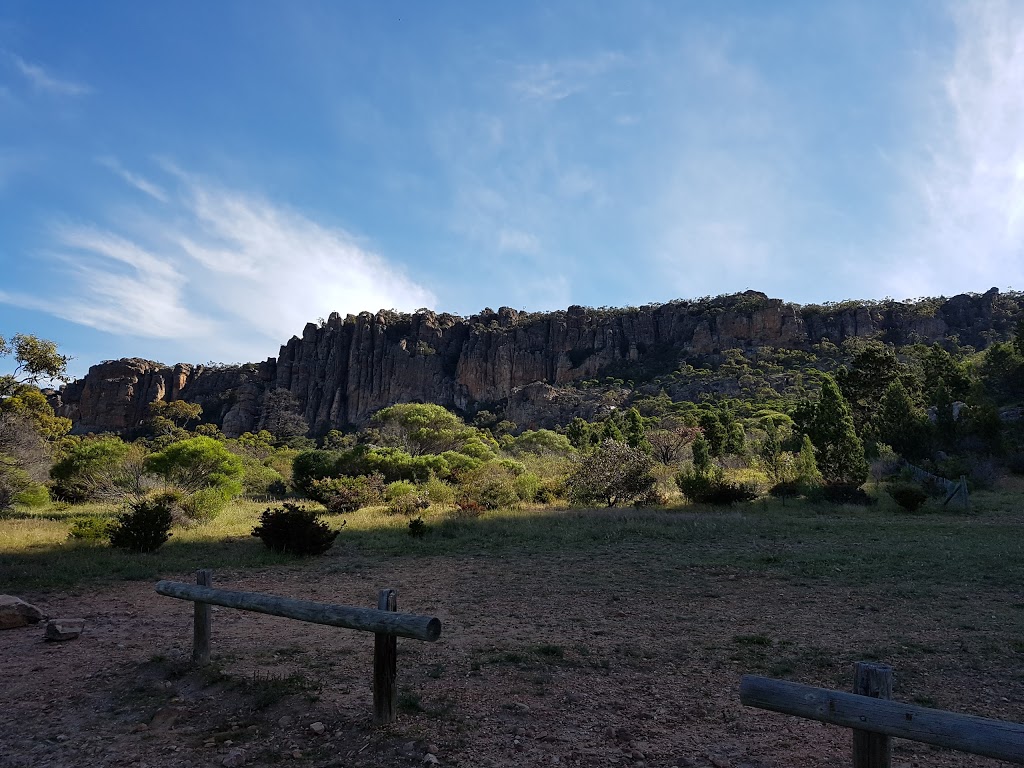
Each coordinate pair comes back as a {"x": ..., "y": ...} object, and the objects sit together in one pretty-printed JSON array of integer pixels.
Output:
[
  {"x": 712, "y": 488},
  {"x": 439, "y": 492},
  {"x": 408, "y": 504},
  {"x": 89, "y": 528},
  {"x": 144, "y": 527},
  {"x": 294, "y": 530},
  {"x": 787, "y": 489},
  {"x": 89, "y": 469},
  {"x": 613, "y": 473},
  {"x": 842, "y": 493},
  {"x": 399, "y": 489},
  {"x": 347, "y": 494},
  {"x": 417, "y": 528},
  {"x": 35, "y": 495},
  {"x": 259, "y": 478},
  {"x": 909, "y": 496},
  {"x": 491, "y": 486},
  {"x": 312, "y": 465}
]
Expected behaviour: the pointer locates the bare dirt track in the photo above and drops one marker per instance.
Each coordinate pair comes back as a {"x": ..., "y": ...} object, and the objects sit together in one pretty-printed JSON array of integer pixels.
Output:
[{"x": 620, "y": 656}]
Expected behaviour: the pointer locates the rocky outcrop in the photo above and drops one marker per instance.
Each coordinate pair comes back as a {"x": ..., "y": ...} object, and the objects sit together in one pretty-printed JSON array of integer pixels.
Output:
[{"x": 345, "y": 369}]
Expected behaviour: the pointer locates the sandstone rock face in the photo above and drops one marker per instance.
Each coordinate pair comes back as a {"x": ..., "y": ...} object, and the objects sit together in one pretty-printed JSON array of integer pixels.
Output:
[
  {"x": 344, "y": 370},
  {"x": 15, "y": 612}
]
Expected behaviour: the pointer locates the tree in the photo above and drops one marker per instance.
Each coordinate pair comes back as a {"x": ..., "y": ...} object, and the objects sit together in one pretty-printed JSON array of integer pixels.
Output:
[
  {"x": 873, "y": 368},
  {"x": 172, "y": 418},
  {"x": 36, "y": 360},
  {"x": 614, "y": 473},
  {"x": 634, "y": 431},
  {"x": 540, "y": 442},
  {"x": 669, "y": 438},
  {"x": 421, "y": 428},
  {"x": 199, "y": 462},
  {"x": 281, "y": 416},
  {"x": 806, "y": 465},
  {"x": 840, "y": 453},
  {"x": 701, "y": 454},
  {"x": 900, "y": 423},
  {"x": 714, "y": 432}
]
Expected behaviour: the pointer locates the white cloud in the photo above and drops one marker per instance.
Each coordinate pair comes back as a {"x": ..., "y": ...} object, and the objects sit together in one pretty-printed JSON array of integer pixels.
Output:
[
  {"x": 548, "y": 81},
  {"x": 971, "y": 182},
  {"x": 225, "y": 273},
  {"x": 515, "y": 240},
  {"x": 140, "y": 183},
  {"x": 43, "y": 81}
]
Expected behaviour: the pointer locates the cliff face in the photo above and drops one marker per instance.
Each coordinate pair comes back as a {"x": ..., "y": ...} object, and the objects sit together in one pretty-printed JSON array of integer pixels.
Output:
[{"x": 346, "y": 369}]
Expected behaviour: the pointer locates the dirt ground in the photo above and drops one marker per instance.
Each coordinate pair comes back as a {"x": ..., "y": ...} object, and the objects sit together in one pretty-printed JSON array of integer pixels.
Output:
[{"x": 620, "y": 657}]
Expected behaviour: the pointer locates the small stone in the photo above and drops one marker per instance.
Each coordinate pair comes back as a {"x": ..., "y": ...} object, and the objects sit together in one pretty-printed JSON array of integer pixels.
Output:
[
  {"x": 521, "y": 708},
  {"x": 720, "y": 762},
  {"x": 520, "y": 731},
  {"x": 296, "y": 753},
  {"x": 429, "y": 759},
  {"x": 139, "y": 727},
  {"x": 431, "y": 749},
  {"x": 61, "y": 737},
  {"x": 58, "y": 630},
  {"x": 318, "y": 728},
  {"x": 15, "y": 612},
  {"x": 517, "y": 745},
  {"x": 636, "y": 754},
  {"x": 285, "y": 721},
  {"x": 409, "y": 747},
  {"x": 234, "y": 759}
]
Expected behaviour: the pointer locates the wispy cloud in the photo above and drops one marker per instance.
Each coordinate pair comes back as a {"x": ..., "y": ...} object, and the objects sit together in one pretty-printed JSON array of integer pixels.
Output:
[
  {"x": 133, "y": 179},
  {"x": 228, "y": 274},
  {"x": 971, "y": 181},
  {"x": 557, "y": 80},
  {"x": 41, "y": 80}
]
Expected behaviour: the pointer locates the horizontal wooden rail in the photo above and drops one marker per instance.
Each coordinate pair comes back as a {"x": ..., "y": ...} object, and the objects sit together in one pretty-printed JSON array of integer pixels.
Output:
[
  {"x": 966, "y": 733},
  {"x": 426, "y": 628}
]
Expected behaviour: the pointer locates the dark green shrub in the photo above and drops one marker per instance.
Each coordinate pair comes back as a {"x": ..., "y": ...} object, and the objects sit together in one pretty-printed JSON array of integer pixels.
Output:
[
  {"x": 417, "y": 528},
  {"x": 89, "y": 469},
  {"x": 712, "y": 488},
  {"x": 909, "y": 496},
  {"x": 278, "y": 489},
  {"x": 294, "y": 530},
  {"x": 89, "y": 528},
  {"x": 144, "y": 527},
  {"x": 313, "y": 465},
  {"x": 787, "y": 489},
  {"x": 842, "y": 493},
  {"x": 347, "y": 494}
]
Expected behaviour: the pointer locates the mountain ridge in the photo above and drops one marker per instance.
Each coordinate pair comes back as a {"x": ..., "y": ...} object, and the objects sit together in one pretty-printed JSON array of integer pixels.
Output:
[{"x": 342, "y": 370}]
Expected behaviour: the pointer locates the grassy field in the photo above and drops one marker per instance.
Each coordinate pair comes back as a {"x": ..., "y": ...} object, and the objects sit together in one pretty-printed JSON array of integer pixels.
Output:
[{"x": 851, "y": 545}]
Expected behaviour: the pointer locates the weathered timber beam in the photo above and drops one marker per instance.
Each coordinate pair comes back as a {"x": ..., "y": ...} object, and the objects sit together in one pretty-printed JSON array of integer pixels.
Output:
[
  {"x": 966, "y": 733},
  {"x": 426, "y": 628}
]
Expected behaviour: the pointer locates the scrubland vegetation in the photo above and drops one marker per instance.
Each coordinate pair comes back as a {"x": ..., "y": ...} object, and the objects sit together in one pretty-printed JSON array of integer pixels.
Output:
[{"x": 832, "y": 451}]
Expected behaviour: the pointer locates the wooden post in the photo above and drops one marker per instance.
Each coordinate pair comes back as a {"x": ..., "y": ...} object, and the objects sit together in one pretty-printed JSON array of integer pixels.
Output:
[
  {"x": 872, "y": 750},
  {"x": 385, "y": 665},
  {"x": 202, "y": 625}
]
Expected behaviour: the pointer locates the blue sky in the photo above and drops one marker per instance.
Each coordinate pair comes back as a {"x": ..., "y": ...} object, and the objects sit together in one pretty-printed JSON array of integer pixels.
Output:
[{"x": 195, "y": 181}]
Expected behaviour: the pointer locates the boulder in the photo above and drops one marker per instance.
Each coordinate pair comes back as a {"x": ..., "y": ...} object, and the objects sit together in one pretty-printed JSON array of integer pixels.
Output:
[
  {"x": 15, "y": 612},
  {"x": 64, "y": 629}
]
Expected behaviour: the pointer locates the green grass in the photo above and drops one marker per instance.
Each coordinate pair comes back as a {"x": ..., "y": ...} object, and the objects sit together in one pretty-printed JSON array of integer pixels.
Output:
[{"x": 799, "y": 540}]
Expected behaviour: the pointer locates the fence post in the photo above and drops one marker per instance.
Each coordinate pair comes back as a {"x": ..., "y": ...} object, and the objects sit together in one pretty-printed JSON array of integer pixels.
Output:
[
  {"x": 202, "y": 625},
  {"x": 872, "y": 750},
  {"x": 385, "y": 665}
]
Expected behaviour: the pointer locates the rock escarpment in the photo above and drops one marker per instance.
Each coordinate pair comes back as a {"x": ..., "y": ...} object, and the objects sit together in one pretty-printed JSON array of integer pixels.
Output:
[{"x": 345, "y": 369}]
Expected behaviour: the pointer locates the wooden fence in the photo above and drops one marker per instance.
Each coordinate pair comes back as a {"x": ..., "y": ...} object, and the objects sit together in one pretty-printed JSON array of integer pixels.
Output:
[
  {"x": 874, "y": 718},
  {"x": 386, "y": 624}
]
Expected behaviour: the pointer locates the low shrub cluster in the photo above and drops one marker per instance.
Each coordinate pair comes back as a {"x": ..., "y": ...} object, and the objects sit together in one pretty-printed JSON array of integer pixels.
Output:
[
  {"x": 294, "y": 530},
  {"x": 910, "y": 497},
  {"x": 144, "y": 527},
  {"x": 711, "y": 487}
]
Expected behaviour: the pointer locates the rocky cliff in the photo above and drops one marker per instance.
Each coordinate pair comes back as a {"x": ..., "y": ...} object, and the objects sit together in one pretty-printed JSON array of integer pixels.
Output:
[{"x": 345, "y": 369}]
